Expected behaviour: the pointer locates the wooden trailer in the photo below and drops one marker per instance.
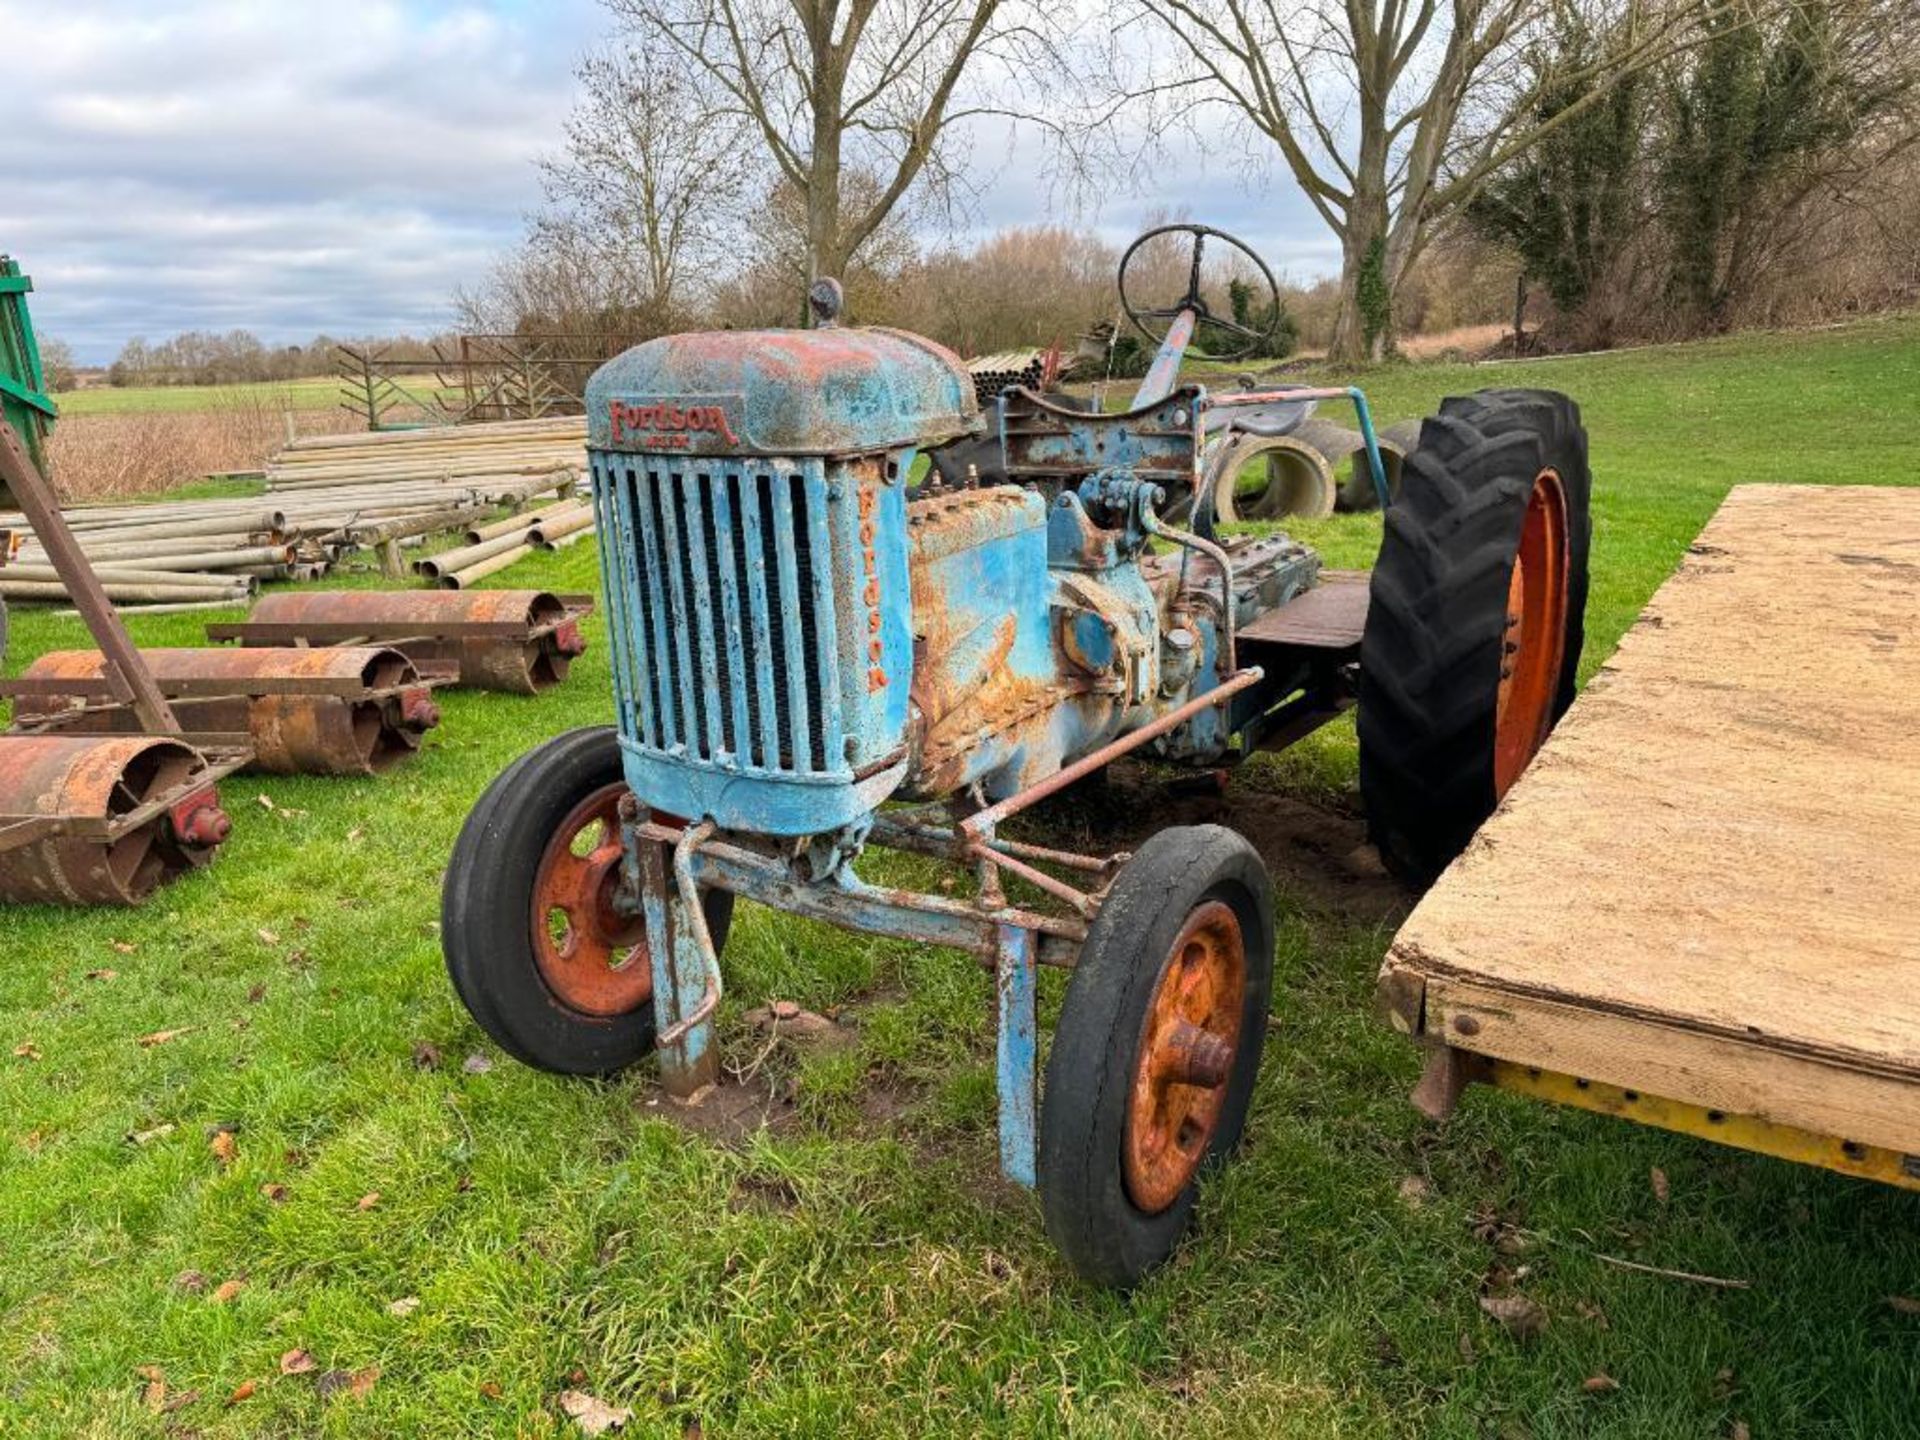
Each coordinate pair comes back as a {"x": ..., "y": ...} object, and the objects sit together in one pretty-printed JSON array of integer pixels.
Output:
[{"x": 1700, "y": 906}]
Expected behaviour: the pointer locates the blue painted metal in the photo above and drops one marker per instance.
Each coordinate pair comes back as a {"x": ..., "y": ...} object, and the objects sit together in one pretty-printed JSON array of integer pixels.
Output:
[
  {"x": 798, "y": 641},
  {"x": 1164, "y": 373},
  {"x": 764, "y": 667},
  {"x": 1050, "y": 445},
  {"x": 845, "y": 900},
  {"x": 1375, "y": 466},
  {"x": 758, "y": 556},
  {"x": 1017, "y": 1057},
  {"x": 781, "y": 393}
]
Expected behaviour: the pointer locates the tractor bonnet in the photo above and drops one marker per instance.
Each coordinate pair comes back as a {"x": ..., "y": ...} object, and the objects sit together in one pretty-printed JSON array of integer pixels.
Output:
[{"x": 781, "y": 392}]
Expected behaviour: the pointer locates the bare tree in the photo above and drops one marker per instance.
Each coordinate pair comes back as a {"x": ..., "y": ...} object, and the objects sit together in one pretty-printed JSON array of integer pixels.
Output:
[
  {"x": 768, "y": 283},
  {"x": 57, "y": 363},
  {"x": 651, "y": 179},
  {"x": 835, "y": 89},
  {"x": 1390, "y": 114}
]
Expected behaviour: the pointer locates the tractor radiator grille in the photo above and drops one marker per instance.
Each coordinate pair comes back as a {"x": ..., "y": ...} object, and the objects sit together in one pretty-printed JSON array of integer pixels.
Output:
[{"x": 720, "y": 588}]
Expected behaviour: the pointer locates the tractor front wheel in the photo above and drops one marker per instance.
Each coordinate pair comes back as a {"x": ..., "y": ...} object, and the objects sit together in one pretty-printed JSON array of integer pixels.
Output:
[
  {"x": 1475, "y": 624},
  {"x": 540, "y": 956},
  {"x": 1156, "y": 1051}
]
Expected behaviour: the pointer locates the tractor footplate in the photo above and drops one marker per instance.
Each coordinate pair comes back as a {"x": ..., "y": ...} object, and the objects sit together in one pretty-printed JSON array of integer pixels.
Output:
[
  {"x": 104, "y": 820},
  {"x": 517, "y": 641},
  {"x": 1330, "y": 616},
  {"x": 349, "y": 710}
]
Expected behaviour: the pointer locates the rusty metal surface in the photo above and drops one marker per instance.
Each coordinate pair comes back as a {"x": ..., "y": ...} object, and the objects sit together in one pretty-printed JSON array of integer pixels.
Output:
[
  {"x": 828, "y": 391},
  {"x": 108, "y": 820},
  {"x": 523, "y": 669},
  {"x": 871, "y": 909},
  {"x": 188, "y": 672},
  {"x": 1330, "y": 616},
  {"x": 346, "y": 711},
  {"x": 982, "y": 822},
  {"x": 38, "y": 502},
  {"x": 373, "y": 611},
  {"x": 518, "y": 641}
]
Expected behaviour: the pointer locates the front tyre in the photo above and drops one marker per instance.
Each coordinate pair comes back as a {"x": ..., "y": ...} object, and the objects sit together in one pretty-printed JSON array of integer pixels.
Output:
[
  {"x": 539, "y": 955},
  {"x": 1156, "y": 1052},
  {"x": 1475, "y": 624}
]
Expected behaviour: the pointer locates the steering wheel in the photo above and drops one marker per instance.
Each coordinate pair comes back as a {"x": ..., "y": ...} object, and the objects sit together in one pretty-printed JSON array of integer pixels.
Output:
[{"x": 1250, "y": 339}]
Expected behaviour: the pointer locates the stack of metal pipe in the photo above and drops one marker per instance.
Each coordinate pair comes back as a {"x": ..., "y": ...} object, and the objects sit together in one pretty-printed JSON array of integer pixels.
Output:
[
  {"x": 164, "y": 554},
  {"x": 995, "y": 373},
  {"x": 490, "y": 548},
  {"x": 328, "y": 497},
  {"x": 475, "y": 454}
]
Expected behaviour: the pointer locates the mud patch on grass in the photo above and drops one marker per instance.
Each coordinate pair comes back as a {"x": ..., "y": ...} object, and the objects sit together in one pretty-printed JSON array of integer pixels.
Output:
[
  {"x": 1317, "y": 852},
  {"x": 730, "y": 1112},
  {"x": 888, "y": 1103},
  {"x": 763, "y": 1194}
]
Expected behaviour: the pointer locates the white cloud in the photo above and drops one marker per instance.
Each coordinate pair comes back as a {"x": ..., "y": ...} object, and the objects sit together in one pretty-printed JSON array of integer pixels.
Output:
[
  {"x": 294, "y": 168},
  {"x": 290, "y": 168}
]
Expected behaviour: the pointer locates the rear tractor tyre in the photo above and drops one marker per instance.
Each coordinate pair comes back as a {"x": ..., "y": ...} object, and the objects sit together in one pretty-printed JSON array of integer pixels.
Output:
[
  {"x": 542, "y": 960},
  {"x": 1156, "y": 1052},
  {"x": 1476, "y": 621}
]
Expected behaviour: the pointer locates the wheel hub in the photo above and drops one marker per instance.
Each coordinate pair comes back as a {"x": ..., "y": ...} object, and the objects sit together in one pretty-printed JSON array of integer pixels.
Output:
[
  {"x": 1186, "y": 1056},
  {"x": 591, "y": 956},
  {"x": 1536, "y": 630}
]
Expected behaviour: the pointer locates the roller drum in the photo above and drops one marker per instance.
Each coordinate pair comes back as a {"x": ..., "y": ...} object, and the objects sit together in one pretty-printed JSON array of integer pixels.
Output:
[{"x": 96, "y": 782}]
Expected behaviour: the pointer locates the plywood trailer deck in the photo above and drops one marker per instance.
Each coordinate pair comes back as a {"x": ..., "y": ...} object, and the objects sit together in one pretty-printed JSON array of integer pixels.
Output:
[{"x": 1700, "y": 906}]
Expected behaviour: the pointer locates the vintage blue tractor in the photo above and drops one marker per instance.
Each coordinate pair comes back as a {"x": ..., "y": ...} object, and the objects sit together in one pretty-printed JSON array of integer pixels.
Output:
[{"x": 820, "y": 648}]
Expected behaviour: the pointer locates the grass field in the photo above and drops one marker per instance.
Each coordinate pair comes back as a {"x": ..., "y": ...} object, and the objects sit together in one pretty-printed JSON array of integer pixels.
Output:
[
  {"x": 859, "y": 1268},
  {"x": 319, "y": 393}
]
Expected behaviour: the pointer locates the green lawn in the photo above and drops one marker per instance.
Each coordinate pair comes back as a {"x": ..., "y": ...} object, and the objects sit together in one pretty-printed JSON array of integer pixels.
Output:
[{"x": 861, "y": 1269}]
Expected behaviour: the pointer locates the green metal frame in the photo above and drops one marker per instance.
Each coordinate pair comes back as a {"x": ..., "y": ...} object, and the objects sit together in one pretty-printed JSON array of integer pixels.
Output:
[{"x": 24, "y": 403}]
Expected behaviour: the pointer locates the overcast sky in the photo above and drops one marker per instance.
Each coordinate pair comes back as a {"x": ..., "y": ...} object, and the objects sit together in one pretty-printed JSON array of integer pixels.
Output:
[{"x": 298, "y": 168}]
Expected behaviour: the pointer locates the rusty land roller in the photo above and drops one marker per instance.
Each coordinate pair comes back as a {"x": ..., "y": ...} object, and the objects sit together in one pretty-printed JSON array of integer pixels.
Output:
[
  {"x": 518, "y": 641},
  {"x": 348, "y": 710},
  {"x": 88, "y": 820}
]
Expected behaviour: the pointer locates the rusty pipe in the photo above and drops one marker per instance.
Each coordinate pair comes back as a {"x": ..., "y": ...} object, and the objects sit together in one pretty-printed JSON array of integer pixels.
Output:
[
  {"x": 1085, "y": 904},
  {"x": 349, "y": 710},
  {"x": 981, "y": 822},
  {"x": 517, "y": 641},
  {"x": 410, "y": 611}
]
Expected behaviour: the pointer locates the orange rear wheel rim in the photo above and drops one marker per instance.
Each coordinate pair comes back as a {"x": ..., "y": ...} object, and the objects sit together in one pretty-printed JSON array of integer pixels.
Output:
[
  {"x": 1534, "y": 643},
  {"x": 592, "y": 957},
  {"x": 1186, "y": 1057}
]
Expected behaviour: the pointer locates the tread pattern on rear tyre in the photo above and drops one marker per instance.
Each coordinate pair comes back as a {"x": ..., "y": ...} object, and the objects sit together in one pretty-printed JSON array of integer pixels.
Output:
[
  {"x": 1083, "y": 1192},
  {"x": 1430, "y": 657}
]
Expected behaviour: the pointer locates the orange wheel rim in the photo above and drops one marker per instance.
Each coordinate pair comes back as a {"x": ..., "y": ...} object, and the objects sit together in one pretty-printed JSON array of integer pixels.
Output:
[
  {"x": 1536, "y": 633},
  {"x": 1186, "y": 1057},
  {"x": 593, "y": 958}
]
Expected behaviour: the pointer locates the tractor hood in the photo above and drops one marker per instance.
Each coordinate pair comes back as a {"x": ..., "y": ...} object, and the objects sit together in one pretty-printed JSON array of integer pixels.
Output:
[{"x": 781, "y": 392}]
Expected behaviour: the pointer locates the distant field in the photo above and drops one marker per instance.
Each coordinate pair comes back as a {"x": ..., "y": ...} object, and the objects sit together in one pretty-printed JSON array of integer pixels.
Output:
[{"x": 320, "y": 393}]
